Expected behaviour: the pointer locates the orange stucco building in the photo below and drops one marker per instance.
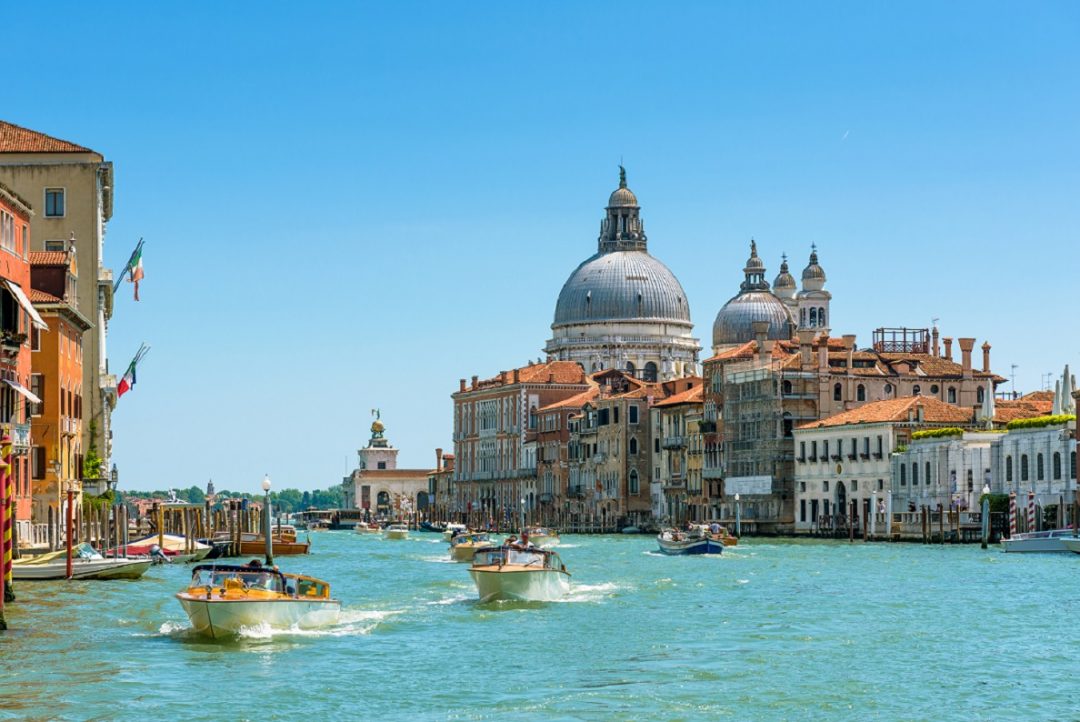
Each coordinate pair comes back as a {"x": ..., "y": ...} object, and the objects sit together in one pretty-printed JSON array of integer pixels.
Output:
[{"x": 57, "y": 379}]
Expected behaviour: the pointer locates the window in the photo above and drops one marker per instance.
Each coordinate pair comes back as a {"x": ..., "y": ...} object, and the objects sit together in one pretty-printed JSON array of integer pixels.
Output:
[
  {"x": 7, "y": 230},
  {"x": 802, "y": 486},
  {"x": 37, "y": 388},
  {"x": 650, "y": 371},
  {"x": 980, "y": 395},
  {"x": 825, "y": 449},
  {"x": 888, "y": 389},
  {"x": 821, "y": 316},
  {"x": 927, "y": 477},
  {"x": 860, "y": 393},
  {"x": 802, "y": 451},
  {"x": 1039, "y": 471},
  {"x": 881, "y": 485},
  {"x": 952, "y": 395},
  {"x": 825, "y": 487},
  {"x": 604, "y": 417},
  {"x": 934, "y": 389},
  {"x": 633, "y": 446},
  {"x": 635, "y": 487},
  {"x": 656, "y": 446},
  {"x": 854, "y": 485},
  {"x": 802, "y": 509},
  {"x": 1057, "y": 464},
  {"x": 633, "y": 414},
  {"x": 916, "y": 390},
  {"x": 381, "y": 465},
  {"x": 903, "y": 475},
  {"x": 38, "y": 462},
  {"x": 787, "y": 387},
  {"x": 54, "y": 202},
  {"x": 914, "y": 474},
  {"x": 837, "y": 392},
  {"x": 1008, "y": 468},
  {"x": 616, "y": 414},
  {"x": 813, "y": 451},
  {"x": 1072, "y": 465},
  {"x": 1023, "y": 467}
]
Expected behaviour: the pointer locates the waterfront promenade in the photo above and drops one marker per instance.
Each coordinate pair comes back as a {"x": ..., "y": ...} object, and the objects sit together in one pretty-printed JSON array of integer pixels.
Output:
[{"x": 774, "y": 629}]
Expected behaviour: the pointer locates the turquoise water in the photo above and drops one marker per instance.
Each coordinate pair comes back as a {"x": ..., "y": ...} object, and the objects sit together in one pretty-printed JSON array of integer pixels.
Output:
[{"x": 772, "y": 630}]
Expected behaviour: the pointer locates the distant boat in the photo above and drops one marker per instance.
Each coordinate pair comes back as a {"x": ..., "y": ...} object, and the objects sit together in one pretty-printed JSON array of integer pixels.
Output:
[
  {"x": 223, "y": 599},
  {"x": 396, "y": 530},
  {"x": 283, "y": 539},
  {"x": 542, "y": 536},
  {"x": 86, "y": 563},
  {"x": 1051, "y": 540},
  {"x": 463, "y": 547},
  {"x": 453, "y": 529},
  {"x": 362, "y": 527},
  {"x": 174, "y": 547},
  {"x": 520, "y": 574},
  {"x": 432, "y": 526},
  {"x": 630, "y": 530},
  {"x": 695, "y": 541}
]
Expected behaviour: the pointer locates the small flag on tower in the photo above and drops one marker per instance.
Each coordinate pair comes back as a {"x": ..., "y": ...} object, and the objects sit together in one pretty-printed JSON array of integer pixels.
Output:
[
  {"x": 133, "y": 270},
  {"x": 128, "y": 381}
]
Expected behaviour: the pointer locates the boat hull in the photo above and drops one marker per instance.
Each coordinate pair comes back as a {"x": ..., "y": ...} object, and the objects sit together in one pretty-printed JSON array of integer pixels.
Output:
[
  {"x": 396, "y": 534},
  {"x": 218, "y": 618},
  {"x": 690, "y": 546},
  {"x": 1071, "y": 544},
  {"x": 520, "y": 585},
  {"x": 82, "y": 569},
  {"x": 281, "y": 548},
  {"x": 465, "y": 552},
  {"x": 544, "y": 541},
  {"x": 1047, "y": 541}
]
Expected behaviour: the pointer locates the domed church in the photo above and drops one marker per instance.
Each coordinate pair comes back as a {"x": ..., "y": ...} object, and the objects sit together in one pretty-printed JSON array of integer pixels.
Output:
[{"x": 622, "y": 308}]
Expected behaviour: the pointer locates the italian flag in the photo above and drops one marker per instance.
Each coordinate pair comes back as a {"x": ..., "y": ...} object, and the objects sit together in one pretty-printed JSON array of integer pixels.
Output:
[
  {"x": 135, "y": 271},
  {"x": 128, "y": 381}
]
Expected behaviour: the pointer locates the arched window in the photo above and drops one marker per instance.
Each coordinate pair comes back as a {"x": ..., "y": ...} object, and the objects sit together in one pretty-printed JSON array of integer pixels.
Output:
[
  {"x": 916, "y": 390},
  {"x": 837, "y": 392},
  {"x": 650, "y": 371},
  {"x": 952, "y": 395},
  {"x": 813, "y": 318},
  {"x": 802, "y": 317},
  {"x": 1008, "y": 468},
  {"x": 928, "y": 473},
  {"x": 787, "y": 387},
  {"x": 903, "y": 475},
  {"x": 1039, "y": 470},
  {"x": 914, "y": 473},
  {"x": 630, "y": 368},
  {"x": 821, "y": 316},
  {"x": 633, "y": 446},
  {"x": 634, "y": 485},
  {"x": 789, "y": 425},
  {"x": 1023, "y": 467},
  {"x": 860, "y": 393},
  {"x": 1057, "y": 464},
  {"x": 888, "y": 389}
]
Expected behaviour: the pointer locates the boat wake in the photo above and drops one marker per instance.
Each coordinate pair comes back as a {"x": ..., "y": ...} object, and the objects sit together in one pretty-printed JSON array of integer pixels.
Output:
[
  {"x": 353, "y": 622},
  {"x": 592, "y": 592},
  {"x": 443, "y": 559}
]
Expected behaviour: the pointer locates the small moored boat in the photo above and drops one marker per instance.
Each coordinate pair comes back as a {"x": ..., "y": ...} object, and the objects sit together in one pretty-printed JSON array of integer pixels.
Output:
[
  {"x": 174, "y": 546},
  {"x": 464, "y": 546},
  {"x": 696, "y": 541},
  {"x": 520, "y": 574},
  {"x": 283, "y": 538},
  {"x": 397, "y": 530},
  {"x": 1051, "y": 540},
  {"x": 223, "y": 599},
  {"x": 86, "y": 563},
  {"x": 543, "y": 536}
]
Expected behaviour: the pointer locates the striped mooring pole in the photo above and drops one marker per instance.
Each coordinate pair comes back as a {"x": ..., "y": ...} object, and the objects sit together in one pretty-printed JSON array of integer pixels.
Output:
[
  {"x": 1012, "y": 514},
  {"x": 9, "y": 512},
  {"x": 1031, "y": 512},
  {"x": 5, "y": 532}
]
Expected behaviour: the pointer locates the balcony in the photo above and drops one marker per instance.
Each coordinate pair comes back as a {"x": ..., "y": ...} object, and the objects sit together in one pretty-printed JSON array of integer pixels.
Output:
[
  {"x": 68, "y": 426},
  {"x": 851, "y": 457},
  {"x": 712, "y": 472},
  {"x": 576, "y": 492},
  {"x": 20, "y": 435},
  {"x": 546, "y": 498},
  {"x": 674, "y": 442}
]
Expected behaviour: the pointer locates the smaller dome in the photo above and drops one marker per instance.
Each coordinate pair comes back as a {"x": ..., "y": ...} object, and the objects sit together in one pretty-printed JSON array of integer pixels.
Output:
[
  {"x": 735, "y": 322},
  {"x": 623, "y": 197},
  {"x": 813, "y": 275},
  {"x": 754, "y": 263},
  {"x": 377, "y": 427},
  {"x": 784, "y": 286}
]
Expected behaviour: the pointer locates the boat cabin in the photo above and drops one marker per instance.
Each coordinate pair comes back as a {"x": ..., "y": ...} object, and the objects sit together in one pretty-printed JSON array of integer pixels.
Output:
[{"x": 517, "y": 556}]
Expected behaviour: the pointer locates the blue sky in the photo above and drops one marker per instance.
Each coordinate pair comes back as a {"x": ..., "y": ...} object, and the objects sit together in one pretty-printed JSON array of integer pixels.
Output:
[{"x": 353, "y": 206}]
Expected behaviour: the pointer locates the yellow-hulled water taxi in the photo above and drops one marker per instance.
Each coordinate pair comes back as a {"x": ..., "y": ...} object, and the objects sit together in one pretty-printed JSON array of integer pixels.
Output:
[
  {"x": 542, "y": 536},
  {"x": 222, "y": 599},
  {"x": 463, "y": 546},
  {"x": 518, "y": 573}
]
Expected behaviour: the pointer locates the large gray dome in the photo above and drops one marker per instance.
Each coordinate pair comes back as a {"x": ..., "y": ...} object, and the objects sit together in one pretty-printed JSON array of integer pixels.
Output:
[
  {"x": 734, "y": 323},
  {"x": 621, "y": 286}
]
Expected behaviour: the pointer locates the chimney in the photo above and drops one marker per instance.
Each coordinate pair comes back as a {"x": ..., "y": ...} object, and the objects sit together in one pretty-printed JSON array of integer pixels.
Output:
[
  {"x": 504, "y": 377},
  {"x": 475, "y": 379},
  {"x": 761, "y": 334},
  {"x": 849, "y": 344},
  {"x": 806, "y": 338},
  {"x": 986, "y": 356},
  {"x": 438, "y": 459},
  {"x": 948, "y": 347},
  {"x": 823, "y": 352},
  {"x": 517, "y": 376},
  {"x": 934, "y": 349},
  {"x": 919, "y": 412},
  {"x": 551, "y": 377},
  {"x": 966, "y": 344},
  {"x": 461, "y": 385}
]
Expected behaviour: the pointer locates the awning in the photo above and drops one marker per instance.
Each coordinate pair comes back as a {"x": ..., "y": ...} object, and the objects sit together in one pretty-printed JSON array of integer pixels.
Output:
[
  {"x": 17, "y": 292},
  {"x": 23, "y": 390}
]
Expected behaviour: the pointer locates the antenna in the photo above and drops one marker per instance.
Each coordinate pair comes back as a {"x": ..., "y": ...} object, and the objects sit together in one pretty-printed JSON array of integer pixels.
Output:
[
  {"x": 934, "y": 320},
  {"x": 1012, "y": 377}
]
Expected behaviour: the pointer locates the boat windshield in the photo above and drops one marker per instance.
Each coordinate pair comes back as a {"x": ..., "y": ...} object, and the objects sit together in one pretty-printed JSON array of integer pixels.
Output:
[
  {"x": 515, "y": 555},
  {"x": 228, "y": 578},
  {"x": 469, "y": 538}
]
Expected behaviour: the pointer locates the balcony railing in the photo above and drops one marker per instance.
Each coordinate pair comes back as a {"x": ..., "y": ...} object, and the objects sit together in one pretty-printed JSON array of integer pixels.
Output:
[
  {"x": 67, "y": 426},
  {"x": 674, "y": 442},
  {"x": 576, "y": 492},
  {"x": 19, "y": 433}
]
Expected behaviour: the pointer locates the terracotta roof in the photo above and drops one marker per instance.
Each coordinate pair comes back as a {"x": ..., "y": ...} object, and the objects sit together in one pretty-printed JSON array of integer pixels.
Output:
[
  {"x": 1039, "y": 396},
  {"x": 48, "y": 258},
  {"x": 574, "y": 402},
  {"x": 37, "y": 296},
  {"x": 394, "y": 473},
  {"x": 1025, "y": 407},
  {"x": 559, "y": 372},
  {"x": 16, "y": 139},
  {"x": 893, "y": 410},
  {"x": 690, "y": 396}
]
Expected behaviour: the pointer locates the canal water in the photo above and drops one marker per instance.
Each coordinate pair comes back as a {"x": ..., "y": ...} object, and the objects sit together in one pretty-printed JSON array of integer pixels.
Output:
[{"x": 771, "y": 630}]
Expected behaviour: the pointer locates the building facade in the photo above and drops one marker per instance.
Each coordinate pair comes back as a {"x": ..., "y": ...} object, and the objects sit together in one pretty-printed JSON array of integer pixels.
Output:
[
  {"x": 71, "y": 187},
  {"x": 679, "y": 494},
  {"x": 622, "y": 308},
  {"x": 379, "y": 487}
]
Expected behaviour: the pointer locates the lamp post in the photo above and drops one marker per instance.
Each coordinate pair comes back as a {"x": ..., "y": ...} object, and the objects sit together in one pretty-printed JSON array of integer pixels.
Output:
[
  {"x": 267, "y": 532},
  {"x": 985, "y": 515},
  {"x": 873, "y": 513},
  {"x": 738, "y": 517}
]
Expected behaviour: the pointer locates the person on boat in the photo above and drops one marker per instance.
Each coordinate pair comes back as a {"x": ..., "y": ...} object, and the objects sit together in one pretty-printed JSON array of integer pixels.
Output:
[
  {"x": 714, "y": 528},
  {"x": 525, "y": 538}
]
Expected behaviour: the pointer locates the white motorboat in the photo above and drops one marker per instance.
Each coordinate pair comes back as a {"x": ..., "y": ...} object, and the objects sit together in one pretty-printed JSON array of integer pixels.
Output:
[
  {"x": 520, "y": 574},
  {"x": 175, "y": 547},
  {"x": 396, "y": 531},
  {"x": 1071, "y": 544},
  {"x": 1051, "y": 540},
  {"x": 86, "y": 563},
  {"x": 542, "y": 536},
  {"x": 453, "y": 529},
  {"x": 695, "y": 541},
  {"x": 224, "y": 599},
  {"x": 362, "y": 527}
]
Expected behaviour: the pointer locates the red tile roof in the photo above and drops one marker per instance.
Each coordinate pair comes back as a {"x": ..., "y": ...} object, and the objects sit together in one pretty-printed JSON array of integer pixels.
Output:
[
  {"x": 557, "y": 372},
  {"x": 48, "y": 258},
  {"x": 893, "y": 410},
  {"x": 16, "y": 139},
  {"x": 1025, "y": 407},
  {"x": 690, "y": 396},
  {"x": 37, "y": 296},
  {"x": 574, "y": 402}
]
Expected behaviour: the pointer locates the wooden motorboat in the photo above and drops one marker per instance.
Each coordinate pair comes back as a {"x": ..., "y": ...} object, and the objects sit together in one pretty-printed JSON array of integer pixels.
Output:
[
  {"x": 542, "y": 536},
  {"x": 464, "y": 546},
  {"x": 362, "y": 527},
  {"x": 224, "y": 599},
  {"x": 695, "y": 541},
  {"x": 518, "y": 573},
  {"x": 453, "y": 529},
  {"x": 175, "y": 547},
  {"x": 397, "y": 530},
  {"x": 719, "y": 532},
  {"x": 283, "y": 538},
  {"x": 86, "y": 563}
]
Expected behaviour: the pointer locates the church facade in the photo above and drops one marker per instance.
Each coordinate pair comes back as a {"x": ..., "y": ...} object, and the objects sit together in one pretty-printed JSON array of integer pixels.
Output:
[{"x": 379, "y": 487}]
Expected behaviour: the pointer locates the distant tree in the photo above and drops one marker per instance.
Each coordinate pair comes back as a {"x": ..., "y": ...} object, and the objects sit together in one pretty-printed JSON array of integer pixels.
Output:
[{"x": 193, "y": 495}]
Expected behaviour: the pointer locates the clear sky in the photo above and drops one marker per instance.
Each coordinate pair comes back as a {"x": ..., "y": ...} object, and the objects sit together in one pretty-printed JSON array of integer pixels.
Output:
[{"x": 350, "y": 206}]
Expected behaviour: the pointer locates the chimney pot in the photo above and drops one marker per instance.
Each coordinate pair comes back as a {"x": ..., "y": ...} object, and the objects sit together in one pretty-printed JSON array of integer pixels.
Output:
[
  {"x": 475, "y": 380},
  {"x": 438, "y": 460},
  {"x": 986, "y": 356},
  {"x": 966, "y": 345},
  {"x": 948, "y": 347},
  {"x": 461, "y": 385},
  {"x": 935, "y": 349},
  {"x": 517, "y": 376}
]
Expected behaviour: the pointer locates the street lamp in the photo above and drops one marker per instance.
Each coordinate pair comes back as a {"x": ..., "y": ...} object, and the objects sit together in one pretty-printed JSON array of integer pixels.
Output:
[
  {"x": 738, "y": 516},
  {"x": 266, "y": 521},
  {"x": 985, "y": 515}
]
